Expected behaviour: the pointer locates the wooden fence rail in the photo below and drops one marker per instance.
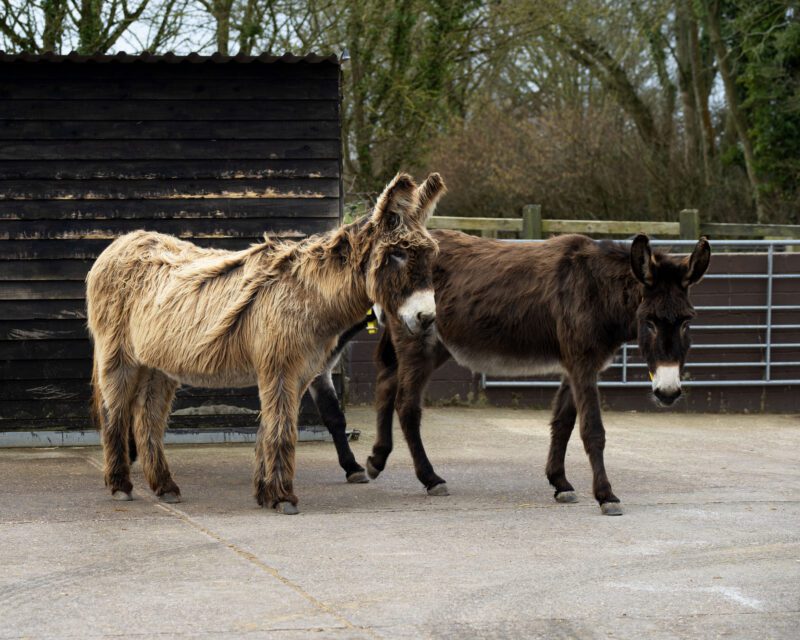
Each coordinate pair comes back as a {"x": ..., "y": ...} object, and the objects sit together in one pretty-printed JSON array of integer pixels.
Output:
[{"x": 531, "y": 225}]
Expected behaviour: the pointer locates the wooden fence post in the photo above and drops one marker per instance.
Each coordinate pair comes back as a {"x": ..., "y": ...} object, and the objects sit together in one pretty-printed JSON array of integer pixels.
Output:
[
  {"x": 531, "y": 222},
  {"x": 690, "y": 224}
]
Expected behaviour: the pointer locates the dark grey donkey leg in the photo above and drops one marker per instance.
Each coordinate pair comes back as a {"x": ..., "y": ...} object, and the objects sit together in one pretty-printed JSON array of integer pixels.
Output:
[
  {"x": 324, "y": 395},
  {"x": 385, "y": 392},
  {"x": 416, "y": 362},
  {"x": 561, "y": 426}
]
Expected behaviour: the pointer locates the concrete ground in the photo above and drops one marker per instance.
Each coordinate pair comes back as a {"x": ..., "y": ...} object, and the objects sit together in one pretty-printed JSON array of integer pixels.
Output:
[{"x": 709, "y": 545}]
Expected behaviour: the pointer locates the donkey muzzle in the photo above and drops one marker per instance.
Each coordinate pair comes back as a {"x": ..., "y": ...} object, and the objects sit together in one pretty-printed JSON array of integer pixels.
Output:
[
  {"x": 418, "y": 311},
  {"x": 667, "y": 383}
]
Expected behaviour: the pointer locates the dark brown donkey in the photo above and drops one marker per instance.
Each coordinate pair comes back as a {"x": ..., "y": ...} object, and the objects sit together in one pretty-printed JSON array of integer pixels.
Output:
[{"x": 565, "y": 305}]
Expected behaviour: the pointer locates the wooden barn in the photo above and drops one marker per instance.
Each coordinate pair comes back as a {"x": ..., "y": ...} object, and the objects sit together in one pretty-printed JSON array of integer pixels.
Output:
[{"x": 217, "y": 150}]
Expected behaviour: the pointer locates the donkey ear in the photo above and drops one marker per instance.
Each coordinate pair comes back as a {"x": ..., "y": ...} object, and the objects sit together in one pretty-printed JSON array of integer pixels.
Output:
[
  {"x": 398, "y": 200},
  {"x": 642, "y": 259},
  {"x": 696, "y": 264},
  {"x": 429, "y": 193}
]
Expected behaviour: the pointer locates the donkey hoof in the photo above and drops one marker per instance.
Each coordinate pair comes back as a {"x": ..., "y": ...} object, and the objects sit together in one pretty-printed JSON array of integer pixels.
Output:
[
  {"x": 170, "y": 497},
  {"x": 567, "y": 497},
  {"x": 611, "y": 509},
  {"x": 439, "y": 490},
  {"x": 357, "y": 477},
  {"x": 287, "y": 508},
  {"x": 372, "y": 472},
  {"x": 121, "y": 496}
]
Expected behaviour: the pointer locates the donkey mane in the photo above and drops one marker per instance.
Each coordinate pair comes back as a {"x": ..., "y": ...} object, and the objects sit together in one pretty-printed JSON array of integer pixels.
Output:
[{"x": 311, "y": 261}]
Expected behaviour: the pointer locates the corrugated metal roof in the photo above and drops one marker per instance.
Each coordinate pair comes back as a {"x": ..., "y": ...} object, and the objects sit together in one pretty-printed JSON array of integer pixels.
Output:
[{"x": 166, "y": 58}]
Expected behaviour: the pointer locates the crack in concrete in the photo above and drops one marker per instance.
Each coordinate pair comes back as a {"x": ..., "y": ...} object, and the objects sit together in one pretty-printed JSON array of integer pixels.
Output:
[{"x": 245, "y": 555}]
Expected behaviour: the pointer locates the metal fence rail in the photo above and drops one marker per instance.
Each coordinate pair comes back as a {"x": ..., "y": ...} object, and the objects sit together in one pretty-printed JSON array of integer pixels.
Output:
[{"x": 770, "y": 368}]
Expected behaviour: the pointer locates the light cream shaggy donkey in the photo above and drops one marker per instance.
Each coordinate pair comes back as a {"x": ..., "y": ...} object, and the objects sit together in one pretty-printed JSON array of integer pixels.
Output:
[{"x": 162, "y": 311}]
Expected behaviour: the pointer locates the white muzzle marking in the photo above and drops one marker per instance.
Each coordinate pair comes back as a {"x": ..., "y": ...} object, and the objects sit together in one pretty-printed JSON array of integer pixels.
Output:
[
  {"x": 419, "y": 306},
  {"x": 667, "y": 378}
]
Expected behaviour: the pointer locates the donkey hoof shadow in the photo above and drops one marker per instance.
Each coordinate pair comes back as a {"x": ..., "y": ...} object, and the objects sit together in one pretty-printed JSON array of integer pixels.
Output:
[
  {"x": 121, "y": 496},
  {"x": 611, "y": 509},
  {"x": 439, "y": 490},
  {"x": 287, "y": 508},
  {"x": 358, "y": 477},
  {"x": 567, "y": 497}
]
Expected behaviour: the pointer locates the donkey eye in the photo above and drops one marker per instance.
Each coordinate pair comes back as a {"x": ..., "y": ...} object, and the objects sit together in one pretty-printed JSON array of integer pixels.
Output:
[
  {"x": 393, "y": 221},
  {"x": 685, "y": 326},
  {"x": 398, "y": 256},
  {"x": 651, "y": 326}
]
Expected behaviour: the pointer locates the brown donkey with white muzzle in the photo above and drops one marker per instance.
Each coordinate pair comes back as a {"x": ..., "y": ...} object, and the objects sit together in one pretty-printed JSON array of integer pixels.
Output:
[
  {"x": 163, "y": 312},
  {"x": 565, "y": 305}
]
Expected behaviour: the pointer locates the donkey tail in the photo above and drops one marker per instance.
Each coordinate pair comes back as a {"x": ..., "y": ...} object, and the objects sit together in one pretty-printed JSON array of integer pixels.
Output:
[
  {"x": 97, "y": 413},
  {"x": 96, "y": 407}
]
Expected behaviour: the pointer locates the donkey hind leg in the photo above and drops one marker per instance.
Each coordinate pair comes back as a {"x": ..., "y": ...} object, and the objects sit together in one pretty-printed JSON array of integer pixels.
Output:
[
  {"x": 564, "y": 414},
  {"x": 385, "y": 393},
  {"x": 116, "y": 387},
  {"x": 594, "y": 441},
  {"x": 276, "y": 442},
  {"x": 151, "y": 409},
  {"x": 324, "y": 395}
]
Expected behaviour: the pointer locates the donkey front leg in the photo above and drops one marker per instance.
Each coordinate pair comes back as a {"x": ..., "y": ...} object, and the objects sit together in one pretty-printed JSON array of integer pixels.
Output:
[
  {"x": 276, "y": 441},
  {"x": 593, "y": 435},
  {"x": 561, "y": 426},
  {"x": 415, "y": 368},
  {"x": 324, "y": 395},
  {"x": 409, "y": 410}
]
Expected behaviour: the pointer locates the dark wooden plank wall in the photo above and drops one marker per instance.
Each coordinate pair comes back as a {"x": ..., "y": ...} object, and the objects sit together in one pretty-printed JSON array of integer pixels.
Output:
[
  {"x": 454, "y": 384},
  {"x": 215, "y": 153}
]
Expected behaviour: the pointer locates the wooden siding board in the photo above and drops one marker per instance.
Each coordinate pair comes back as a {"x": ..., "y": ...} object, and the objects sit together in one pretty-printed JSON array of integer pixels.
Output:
[
  {"x": 166, "y": 149},
  {"x": 45, "y": 269},
  {"x": 90, "y": 249},
  {"x": 123, "y": 169},
  {"x": 220, "y": 89},
  {"x": 136, "y": 110},
  {"x": 199, "y": 228},
  {"x": 44, "y": 349},
  {"x": 168, "y": 129},
  {"x": 22, "y": 310},
  {"x": 46, "y": 370},
  {"x": 282, "y": 188},
  {"x": 81, "y": 390},
  {"x": 169, "y": 209},
  {"x": 41, "y": 290},
  {"x": 20, "y": 71},
  {"x": 43, "y": 329}
]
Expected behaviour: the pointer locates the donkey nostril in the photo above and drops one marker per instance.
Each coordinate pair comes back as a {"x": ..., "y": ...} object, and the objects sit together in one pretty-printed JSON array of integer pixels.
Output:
[
  {"x": 425, "y": 319},
  {"x": 667, "y": 397}
]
